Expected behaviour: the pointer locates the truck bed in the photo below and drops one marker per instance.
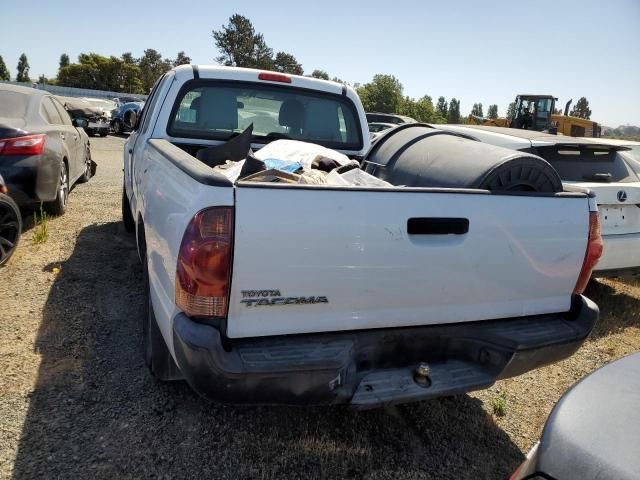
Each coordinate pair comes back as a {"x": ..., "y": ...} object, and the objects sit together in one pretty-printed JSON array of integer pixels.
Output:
[{"x": 518, "y": 255}]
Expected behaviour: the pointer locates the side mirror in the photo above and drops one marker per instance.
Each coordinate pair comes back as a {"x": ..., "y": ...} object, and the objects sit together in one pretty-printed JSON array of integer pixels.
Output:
[{"x": 80, "y": 122}]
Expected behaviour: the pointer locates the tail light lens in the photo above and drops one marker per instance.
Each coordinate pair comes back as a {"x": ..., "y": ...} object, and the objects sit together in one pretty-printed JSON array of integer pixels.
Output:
[
  {"x": 27, "y": 145},
  {"x": 593, "y": 253},
  {"x": 204, "y": 264}
]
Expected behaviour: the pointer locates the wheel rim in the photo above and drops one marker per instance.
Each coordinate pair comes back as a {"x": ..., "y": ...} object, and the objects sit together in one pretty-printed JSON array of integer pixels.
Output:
[
  {"x": 64, "y": 186},
  {"x": 9, "y": 231}
]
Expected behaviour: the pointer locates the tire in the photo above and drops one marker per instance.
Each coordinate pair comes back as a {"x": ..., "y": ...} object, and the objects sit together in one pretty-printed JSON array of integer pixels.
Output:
[
  {"x": 88, "y": 170},
  {"x": 127, "y": 217},
  {"x": 157, "y": 357},
  {"x": 59, "y": 205},
  {"x": 117, "y": 127},
  {"x": 10, "y": 227},
  {"x": 103, "y": 133}
]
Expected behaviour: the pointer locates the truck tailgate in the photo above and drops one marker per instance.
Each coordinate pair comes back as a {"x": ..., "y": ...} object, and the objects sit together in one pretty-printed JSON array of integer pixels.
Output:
[{"x": 318, "y": 260}]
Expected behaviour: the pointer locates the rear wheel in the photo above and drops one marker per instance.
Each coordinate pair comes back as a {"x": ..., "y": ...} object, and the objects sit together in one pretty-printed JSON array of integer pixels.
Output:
[
  {"x": 88, "y": 172},
  {"x": 103, "y": 133},
  {"x": 157, "y": 357},
  {"x": 59, "y": 205},
  {"x": 10, "y": 227}
]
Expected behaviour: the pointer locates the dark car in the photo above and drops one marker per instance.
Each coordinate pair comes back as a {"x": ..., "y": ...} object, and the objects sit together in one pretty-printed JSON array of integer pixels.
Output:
[
  {"x": 97, "y": 120},
  {"x": 10, "y": 224},
  {"x": 42, "y": 153},
  {"x": 594, "y": 430},
  {"x": 121, "y": 117},
  {"x": 375, "y": 117}
]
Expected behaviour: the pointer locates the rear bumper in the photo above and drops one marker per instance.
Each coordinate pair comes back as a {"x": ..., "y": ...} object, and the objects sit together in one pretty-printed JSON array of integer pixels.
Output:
[
  {"x": 29, "y": 181},
  {"x": 373, "y": 368},
  {"x": 621, "y": 256}
]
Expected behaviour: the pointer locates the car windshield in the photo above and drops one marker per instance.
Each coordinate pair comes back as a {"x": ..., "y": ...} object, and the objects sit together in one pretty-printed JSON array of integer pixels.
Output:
[
  {"x": 13, "y": 104},
  {"x": 217, "y": 110}
]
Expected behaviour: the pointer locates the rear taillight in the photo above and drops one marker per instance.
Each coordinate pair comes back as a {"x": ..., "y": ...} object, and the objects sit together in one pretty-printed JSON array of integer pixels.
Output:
[
  {"x": 274, "y": 77},
  {"x": 204, "y": 264},
  {"x": 27, "y": 145},
  {"x": 593, "y": 254}
]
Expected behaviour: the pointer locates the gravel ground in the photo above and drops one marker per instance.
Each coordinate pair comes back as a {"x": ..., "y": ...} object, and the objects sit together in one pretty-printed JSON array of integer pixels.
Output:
[{"x": 77, "y": 401}]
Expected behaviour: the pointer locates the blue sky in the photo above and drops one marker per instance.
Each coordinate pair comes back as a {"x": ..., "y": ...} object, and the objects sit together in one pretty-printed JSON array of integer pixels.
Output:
[{"x": 475, "y": 51}]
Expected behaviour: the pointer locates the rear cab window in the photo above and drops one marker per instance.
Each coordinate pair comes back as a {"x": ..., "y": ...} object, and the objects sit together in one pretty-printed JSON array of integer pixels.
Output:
[
  {"x": 588, "y": 164},
  {"x": 218, "y": 110}
]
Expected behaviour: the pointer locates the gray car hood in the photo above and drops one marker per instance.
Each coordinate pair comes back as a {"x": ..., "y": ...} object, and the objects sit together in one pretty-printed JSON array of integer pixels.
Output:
[{"x": 594, "y": 430}]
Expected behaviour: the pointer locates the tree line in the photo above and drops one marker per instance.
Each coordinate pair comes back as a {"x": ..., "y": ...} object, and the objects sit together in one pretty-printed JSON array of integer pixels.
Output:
[
  {"x": 98, "y": 72},
  {"x": 627, "y": 132},
  {"x": 240, "y": 45}
]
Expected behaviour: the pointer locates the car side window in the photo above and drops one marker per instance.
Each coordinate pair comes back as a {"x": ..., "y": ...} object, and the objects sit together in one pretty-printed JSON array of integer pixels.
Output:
[
  {"x": 66, "y": 119},
  {"x": 50, "y": 113}
]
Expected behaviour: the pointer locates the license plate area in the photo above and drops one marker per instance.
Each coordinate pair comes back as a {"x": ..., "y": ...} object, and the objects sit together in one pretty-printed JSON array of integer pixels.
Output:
[{"x": 619, "y": 219}]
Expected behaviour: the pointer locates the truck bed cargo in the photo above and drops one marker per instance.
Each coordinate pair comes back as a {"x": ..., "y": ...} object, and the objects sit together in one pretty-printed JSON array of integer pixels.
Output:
[{"x": 419, "y": 155}]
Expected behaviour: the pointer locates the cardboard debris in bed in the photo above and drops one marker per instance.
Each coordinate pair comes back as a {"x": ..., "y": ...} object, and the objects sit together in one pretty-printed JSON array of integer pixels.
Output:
[{"x": 272, "y": 175}]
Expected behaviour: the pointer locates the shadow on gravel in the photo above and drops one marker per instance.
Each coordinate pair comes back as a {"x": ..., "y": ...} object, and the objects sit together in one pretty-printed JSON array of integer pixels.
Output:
[
  {"x": 618, "y": 310},
  {"x": 97, "y": 413}
]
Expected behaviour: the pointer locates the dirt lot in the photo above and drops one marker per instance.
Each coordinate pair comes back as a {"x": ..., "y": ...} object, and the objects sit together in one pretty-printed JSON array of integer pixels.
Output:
[{"x": 76, "y": 400}]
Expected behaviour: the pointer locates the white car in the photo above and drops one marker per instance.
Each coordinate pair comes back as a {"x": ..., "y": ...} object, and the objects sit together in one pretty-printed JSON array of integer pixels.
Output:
[
  {"x": 290, "y": 292},
  {"x": 609, "y": 168},
  {"x": 632, "y": 155}
]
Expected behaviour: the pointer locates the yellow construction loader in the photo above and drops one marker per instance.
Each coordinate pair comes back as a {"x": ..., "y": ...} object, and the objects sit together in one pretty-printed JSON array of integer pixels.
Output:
[{"x": 536, "y": 112}]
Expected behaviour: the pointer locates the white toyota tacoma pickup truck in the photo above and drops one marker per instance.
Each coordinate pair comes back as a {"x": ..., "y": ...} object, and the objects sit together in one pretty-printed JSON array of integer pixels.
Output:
[{"x": 321, "y": 294}]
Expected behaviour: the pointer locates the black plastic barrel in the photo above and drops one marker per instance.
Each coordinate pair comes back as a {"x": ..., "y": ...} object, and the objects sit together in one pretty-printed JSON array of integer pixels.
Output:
[{"x": 417, "y": 155}]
